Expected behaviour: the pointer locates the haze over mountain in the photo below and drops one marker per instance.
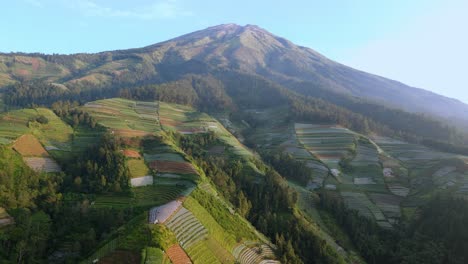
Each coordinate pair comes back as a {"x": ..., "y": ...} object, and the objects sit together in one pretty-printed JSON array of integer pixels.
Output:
[{"x": 248, "y": 49}]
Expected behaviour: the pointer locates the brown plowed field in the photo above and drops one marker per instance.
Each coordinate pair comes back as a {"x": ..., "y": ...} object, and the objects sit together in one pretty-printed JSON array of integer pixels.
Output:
[
  {"x": 178, "y": 255},
  {"x": 131, "y": 133},
  {"x": 131, "y": 153},
  {"x": 28, "y": 145}
]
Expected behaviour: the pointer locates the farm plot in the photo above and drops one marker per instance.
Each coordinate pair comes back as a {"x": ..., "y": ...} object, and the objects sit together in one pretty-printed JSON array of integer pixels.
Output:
[
  {"x": 15, "y": 123},
  {"x": 178, "y": 255},
  {"x": 398, "y": 189},
  {"x": 245, "y": 254},
  {"x": 222, "y": 237},
  {"x": 360, "y": 202},
  {"x": 155, "y": 256},
  {"x": 388, "y": 204},
  {"x": 18, "y": 122},
  {"x": 329, "y": 143},
  {"x": 363, "y": 181},
  {"x": 130, "y": 153},
  {"x": 145, "y": 196},
  {"x": 185, "y": 119},
  {"x": 411, "y": 155},
  {"x": 55, "y": 133},
  {"x": 446, "y": 177},
  {"x": 173, "y": 167},
  {"x": 137, "y": 168},
  {"x": 187, "y": 228},
  {"x": 28, "y": 145},
  {"x": 164, "y": 157},
  {"x": 125, "y": 117},
  {"x": 201, "y": 253},
  {"x": 42, "y": 164},
  {"x": 365, "y": 155},
  {"x": 142, "y": 181},
  {"x": 159, "y": 215}
]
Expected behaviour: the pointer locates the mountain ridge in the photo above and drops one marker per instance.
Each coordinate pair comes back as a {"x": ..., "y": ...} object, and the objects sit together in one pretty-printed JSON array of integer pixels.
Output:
[{"x": 250, "y": 49}]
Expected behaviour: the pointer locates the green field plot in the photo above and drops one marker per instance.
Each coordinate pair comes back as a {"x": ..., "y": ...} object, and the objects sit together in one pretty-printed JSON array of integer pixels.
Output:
[
  {"x": 15, "y": 123},
  {"x": 164, "y": 156},
  {"x": 137, "y": 168},
  {"x": 54, "y": 135},
  {"x": 227, "y": 240},
  {"x": 186, "y": 227},
  {"x": 201, "y": 253},
  {"x": 153, "y": 255},
  {"x": 142, "y": 197}
]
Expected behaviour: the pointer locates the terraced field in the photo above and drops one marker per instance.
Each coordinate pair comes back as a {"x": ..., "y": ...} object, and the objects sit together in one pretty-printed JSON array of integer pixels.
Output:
[
  {"x": 15, "y": 123},
  {"x": 411, "y": 155},
  {"x": 187, "y": 228},
  {"x": 177, "y": 255},
  {"x": 125, "y": 117},
  {"x": 146, "y": 196},
  {"x": 173, "y": 167},
  {"x": 159, "y": 215},
  {"x": 361, "y": 203},
  {"x": 201, "y": 253},
  {"x": 42, "y": 164},
  {"x": 254, "y": 254},
  {"x": 329, "y": 143}
]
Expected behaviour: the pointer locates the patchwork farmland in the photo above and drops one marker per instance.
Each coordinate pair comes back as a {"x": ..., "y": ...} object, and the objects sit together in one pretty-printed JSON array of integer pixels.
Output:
[{"x": 329, "y": 143}]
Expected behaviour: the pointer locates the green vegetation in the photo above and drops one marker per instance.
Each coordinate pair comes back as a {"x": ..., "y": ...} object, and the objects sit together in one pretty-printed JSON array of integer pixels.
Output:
[
  {"x": 152, "y": 255},
  {"x": 224, "y": 238},
  {"x": 141, "y": 197},
  {"x": 162, "y": 237},
  {"x": 137, "y": 168}
]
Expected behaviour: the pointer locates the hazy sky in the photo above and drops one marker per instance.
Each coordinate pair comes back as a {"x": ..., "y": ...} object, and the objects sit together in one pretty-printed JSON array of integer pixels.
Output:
[{"x": 423, "y": 43}]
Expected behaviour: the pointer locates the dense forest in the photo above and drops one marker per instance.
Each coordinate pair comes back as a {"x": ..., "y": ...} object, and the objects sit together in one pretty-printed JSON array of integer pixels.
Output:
[{"x": 44, "y": 217}]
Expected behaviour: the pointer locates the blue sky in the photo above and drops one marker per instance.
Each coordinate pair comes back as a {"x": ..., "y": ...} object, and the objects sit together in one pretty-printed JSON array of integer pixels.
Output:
[{"x": 421, "y": 43}]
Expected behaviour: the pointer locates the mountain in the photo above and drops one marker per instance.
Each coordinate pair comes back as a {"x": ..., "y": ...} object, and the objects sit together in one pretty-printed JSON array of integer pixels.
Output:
[
  {"x": 248, "y": 49},
  {"x": 226, "y": 145}
]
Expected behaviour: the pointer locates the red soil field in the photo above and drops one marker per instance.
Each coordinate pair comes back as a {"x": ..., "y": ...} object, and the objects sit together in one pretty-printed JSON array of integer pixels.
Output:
[
  {"x": 28, "y": 145},
  {"x": 35, "y": 63},
  {"x": 131, "y": 153},
  {"x": 131, "y": 133},
  {"x": 22, "y": 72},
  {"x": 169, "y": 122},
  {"x": 173, "y": 167},
  {"x": 178, "y": 255}
]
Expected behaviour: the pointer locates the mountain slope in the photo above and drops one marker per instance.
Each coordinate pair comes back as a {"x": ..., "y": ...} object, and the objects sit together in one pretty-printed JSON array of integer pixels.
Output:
[{"x": 248, "y": 49}]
